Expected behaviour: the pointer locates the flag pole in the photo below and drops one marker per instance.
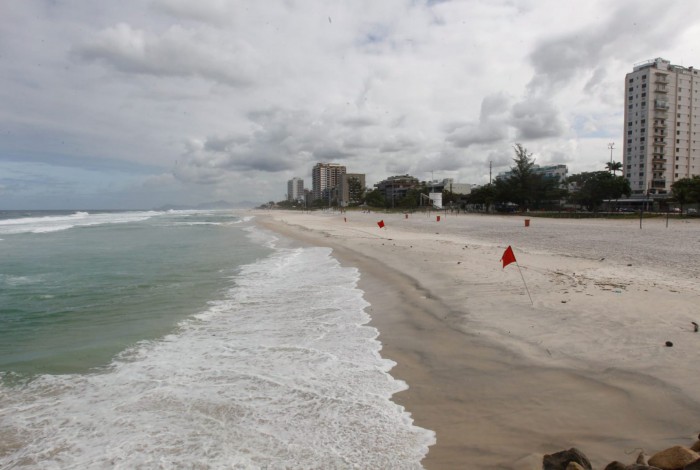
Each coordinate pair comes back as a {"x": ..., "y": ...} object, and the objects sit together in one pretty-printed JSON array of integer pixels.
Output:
[{"x": 526, "y": 289}]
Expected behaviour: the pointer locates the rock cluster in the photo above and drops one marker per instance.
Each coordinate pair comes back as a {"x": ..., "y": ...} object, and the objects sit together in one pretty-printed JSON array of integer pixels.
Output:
[{"x": 673, "y": 458}]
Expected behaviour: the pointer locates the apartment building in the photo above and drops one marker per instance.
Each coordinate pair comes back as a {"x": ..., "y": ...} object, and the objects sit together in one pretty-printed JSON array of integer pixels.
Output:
[
  {"x": 351, "y": 188},
  {"x": 661, "y": 126},
  {"x": 325, "y": 177},
  {"x": 295, "y": 189}
]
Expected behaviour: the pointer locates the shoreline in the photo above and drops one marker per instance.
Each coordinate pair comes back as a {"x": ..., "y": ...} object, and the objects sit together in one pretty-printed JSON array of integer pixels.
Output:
[{"x": 491, "y": 403}]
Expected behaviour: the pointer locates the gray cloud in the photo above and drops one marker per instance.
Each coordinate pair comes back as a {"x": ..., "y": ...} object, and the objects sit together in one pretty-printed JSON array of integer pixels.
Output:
[
  {"x": 178, "y": 52},
  {"x": 218, "y": 12},
  {"x": 536, "y": 118},
  {"x": 491, "y": 128},
  {"x": 624, "y": 35}
]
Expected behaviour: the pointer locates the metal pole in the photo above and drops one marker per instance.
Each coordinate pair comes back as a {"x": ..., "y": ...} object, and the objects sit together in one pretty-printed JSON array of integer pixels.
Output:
[
  {"x": 525, "y": 283},
  {"x": 611, "y": 146}
]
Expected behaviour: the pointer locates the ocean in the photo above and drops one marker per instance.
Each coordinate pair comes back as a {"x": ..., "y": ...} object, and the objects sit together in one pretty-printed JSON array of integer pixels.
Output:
[{"x": 187, "y": 339}]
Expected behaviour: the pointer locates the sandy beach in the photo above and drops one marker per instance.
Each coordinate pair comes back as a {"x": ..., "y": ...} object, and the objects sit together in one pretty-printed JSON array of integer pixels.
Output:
[{"x": 503, "y": 381}]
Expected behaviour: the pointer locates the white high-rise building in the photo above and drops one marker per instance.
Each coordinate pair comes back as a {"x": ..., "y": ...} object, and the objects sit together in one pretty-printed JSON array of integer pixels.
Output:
[
  {"x": 325, "y": 178},
  {"x": 661, "y": 143},
  {"x": 295, "y": 189}
]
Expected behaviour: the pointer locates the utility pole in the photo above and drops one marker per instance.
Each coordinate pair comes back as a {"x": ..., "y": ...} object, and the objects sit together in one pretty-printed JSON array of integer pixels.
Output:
[
  {"x": 611, "y": 146},
  {"x": 490, "y": 168}
]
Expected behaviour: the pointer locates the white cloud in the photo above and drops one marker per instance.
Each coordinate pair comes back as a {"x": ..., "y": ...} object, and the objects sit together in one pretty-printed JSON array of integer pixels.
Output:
[{"x": 217, "y": 97}]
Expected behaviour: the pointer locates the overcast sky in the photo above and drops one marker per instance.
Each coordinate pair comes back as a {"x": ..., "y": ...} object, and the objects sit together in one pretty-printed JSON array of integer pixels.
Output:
[{"x": 135, "y": 104}]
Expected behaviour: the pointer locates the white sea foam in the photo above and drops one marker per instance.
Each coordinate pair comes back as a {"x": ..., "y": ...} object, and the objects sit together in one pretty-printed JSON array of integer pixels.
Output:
[
  {"x": 281, "y": 373},
  {"x": 56, "y": 223}
]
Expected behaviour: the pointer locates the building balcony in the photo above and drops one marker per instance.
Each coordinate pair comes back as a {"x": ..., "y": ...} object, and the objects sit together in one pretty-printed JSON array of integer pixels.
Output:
[
  {"x": 661, "y": 105},
  {"x": 660, "y": 89},
  {"x": 658, "y": 159}
]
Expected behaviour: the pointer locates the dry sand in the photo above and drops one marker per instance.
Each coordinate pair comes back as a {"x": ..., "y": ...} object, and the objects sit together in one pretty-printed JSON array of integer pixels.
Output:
[{"x": 501, "y": 381}]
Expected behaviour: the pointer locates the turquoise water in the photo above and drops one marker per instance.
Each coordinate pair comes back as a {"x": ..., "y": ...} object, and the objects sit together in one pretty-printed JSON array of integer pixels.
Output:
[{"x": 72, "y": 298}]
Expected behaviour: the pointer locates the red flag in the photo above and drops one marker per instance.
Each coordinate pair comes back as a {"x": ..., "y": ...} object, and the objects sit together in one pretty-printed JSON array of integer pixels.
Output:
[
  {"x": 381, "y": 224},
  {"x": 508, "y": 256}
]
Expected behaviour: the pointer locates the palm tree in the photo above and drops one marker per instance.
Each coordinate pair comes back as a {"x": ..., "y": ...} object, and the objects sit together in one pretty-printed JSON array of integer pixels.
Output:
[{"x": 613, "y": 167}]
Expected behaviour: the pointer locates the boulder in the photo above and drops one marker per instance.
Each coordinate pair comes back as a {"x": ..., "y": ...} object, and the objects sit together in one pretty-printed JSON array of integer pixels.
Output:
[
  {"x": 636, "y": 466},
  {"x": 560, "y": 460},
  {"x": 674, "y": 458},
  {"x": 616, "y": 466}
]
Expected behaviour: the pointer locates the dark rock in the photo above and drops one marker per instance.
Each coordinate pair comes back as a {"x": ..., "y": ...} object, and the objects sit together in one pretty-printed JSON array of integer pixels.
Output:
[
  {"x": 560, "y": 460},
  {"x": 616, "y": 466},
  {"x": 693, "y": 466},
  {"x": 696, "y": 446}
]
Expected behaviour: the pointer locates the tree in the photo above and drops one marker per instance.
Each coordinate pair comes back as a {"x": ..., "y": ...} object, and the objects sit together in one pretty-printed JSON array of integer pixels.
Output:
[
  {"x": 686, "y": 191},
  {"x": 356, "y": 192},
  {"x": 374, "y": 198},
  {"x": 592, "y": 188},
  {"x": 484, "y": 196},
  {"x": 613, "y": 167},
  {"x": 522, "y": 183}
]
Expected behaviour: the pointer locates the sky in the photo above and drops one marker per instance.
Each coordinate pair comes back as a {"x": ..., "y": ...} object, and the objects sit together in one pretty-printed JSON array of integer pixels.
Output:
[{"x": 137, "y": 104}]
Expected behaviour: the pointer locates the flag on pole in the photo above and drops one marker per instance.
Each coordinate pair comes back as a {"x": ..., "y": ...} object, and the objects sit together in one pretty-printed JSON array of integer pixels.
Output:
[
  {"x": 381, "y": 224},
  {"x": 508, "y": 257}
]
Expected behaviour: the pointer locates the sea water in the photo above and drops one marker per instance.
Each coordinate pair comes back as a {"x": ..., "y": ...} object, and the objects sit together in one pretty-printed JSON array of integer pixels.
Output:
[{"x": 187, "y": 339}]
